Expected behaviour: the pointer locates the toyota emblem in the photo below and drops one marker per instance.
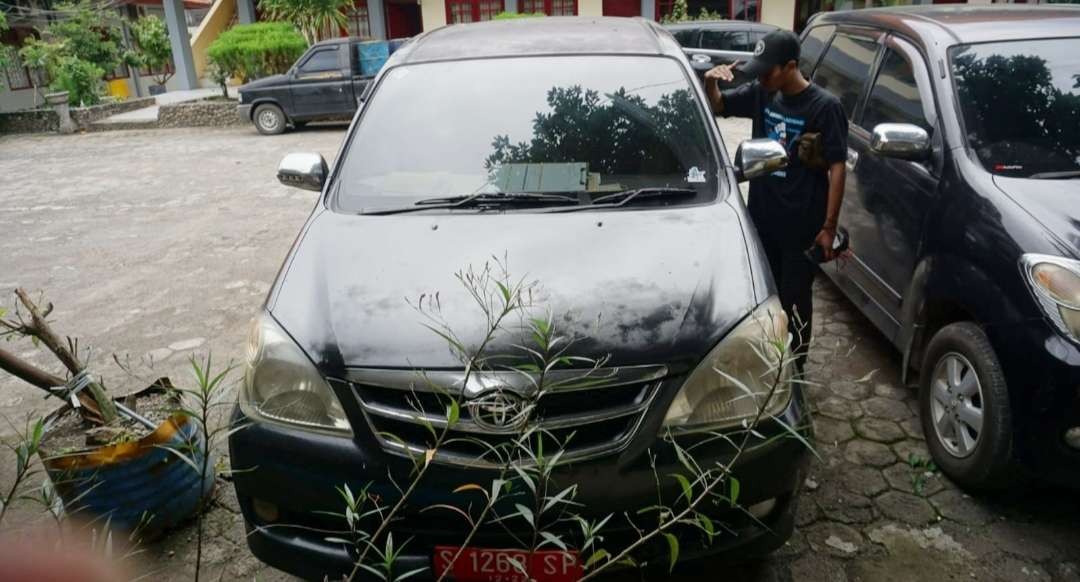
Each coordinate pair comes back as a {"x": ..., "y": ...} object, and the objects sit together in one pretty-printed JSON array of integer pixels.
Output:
[{"x": 499, "y": 411}]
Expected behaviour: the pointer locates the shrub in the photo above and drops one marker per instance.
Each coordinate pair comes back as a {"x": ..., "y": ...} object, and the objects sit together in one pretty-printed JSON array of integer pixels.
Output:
[
  {"x": 250, "y": 51},
  {"x": 81, "y": 79},
  {"x": 514, "y": 15}
]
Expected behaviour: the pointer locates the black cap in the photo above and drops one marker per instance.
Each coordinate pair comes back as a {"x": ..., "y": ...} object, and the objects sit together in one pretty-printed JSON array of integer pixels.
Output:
[{"x": 776, "y": 48}]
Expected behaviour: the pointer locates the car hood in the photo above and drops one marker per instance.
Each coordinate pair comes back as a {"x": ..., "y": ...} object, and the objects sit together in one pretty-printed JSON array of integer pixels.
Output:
[
  {"x": 1054, "y": 203},
  {"x": 270, "y": 81},
  {"x": 639, "y": 286}
]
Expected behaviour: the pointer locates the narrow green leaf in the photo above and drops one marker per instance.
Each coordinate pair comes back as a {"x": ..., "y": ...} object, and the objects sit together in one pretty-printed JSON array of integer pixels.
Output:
[
  {"x": 553, "y": 539},
  {"x": 410, "y": 574},
  {"x": 453, "y": 412},
  {"x": 707, "y": 526},
  {"x": 673, "y": 547},
  {"x": 685, "y": 484},
  {"x": 558, "y": 498},
  {"x": 505, "y": 291},
  {"x": 734, "y": 496},
  {"x": 596, "y": 557},
  {"x": 525, "y": 512}
]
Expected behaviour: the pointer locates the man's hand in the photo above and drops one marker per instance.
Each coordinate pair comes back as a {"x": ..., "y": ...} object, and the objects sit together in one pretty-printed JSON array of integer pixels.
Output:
[
  {"x": 721, "y": 73},
  {"x": 824, "y": 239}
]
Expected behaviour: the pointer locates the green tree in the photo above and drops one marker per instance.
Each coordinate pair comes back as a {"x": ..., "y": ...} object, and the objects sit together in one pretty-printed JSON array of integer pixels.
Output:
[
  {"x": 615, "y": 133},
  {"x": 5, "y": 51},
  {"x": 39, "y": 56},
  {"x": 153, "y": 48},
  {"x": 87, "y": 33},
  {"x": 316, "y": 19},
  {"x": 81, "y": 79}
]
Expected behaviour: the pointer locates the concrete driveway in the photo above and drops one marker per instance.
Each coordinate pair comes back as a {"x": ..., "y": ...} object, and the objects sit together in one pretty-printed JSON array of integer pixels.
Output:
[{"x": 155, "y": 245}]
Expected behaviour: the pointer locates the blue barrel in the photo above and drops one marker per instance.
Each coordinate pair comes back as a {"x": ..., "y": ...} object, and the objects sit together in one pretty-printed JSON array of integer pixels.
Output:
[
  {"x": 136, "y": 484},
  {"x": 372, "y": 56},
  {"x": 396, "y": 43}
]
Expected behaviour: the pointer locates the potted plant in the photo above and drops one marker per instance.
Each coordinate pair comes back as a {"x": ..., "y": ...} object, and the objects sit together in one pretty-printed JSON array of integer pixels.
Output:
[
  {"x": 153, "y": 50},
  {"x": 133, "y": 462}
]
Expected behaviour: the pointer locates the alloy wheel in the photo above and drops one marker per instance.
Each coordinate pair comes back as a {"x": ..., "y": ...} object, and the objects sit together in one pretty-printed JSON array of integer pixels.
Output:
[{"x": 957, "y": 405}]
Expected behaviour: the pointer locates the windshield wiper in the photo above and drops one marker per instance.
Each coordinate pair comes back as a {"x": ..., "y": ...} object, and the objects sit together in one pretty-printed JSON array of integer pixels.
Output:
[
  {"x": 1056, "y": 175},
  {"x": 624, "y": 197},
  {"x": 478, "y": 200}
]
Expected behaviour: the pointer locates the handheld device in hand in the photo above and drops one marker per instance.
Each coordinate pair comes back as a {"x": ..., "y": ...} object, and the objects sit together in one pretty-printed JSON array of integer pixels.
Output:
[{"x": 839, "y": 245}]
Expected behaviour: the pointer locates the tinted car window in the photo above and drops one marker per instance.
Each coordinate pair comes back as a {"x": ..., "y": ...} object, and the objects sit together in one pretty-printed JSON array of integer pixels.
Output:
[
  {"x": 592, "y": 124},
  {"x": 726, "y": 40},
  {"x": 324, "y": 60},
  {"x": 1021, "y": 104},
  {"x": 845, "y": 68},
  {"x": 686, "y": 37},
  {"x": 895, "y": 96},
  {"x": 813, "y": 44}
]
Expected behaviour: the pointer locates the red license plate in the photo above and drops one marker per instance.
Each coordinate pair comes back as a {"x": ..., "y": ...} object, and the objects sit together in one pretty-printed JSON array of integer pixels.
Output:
[{"x": 490, "y": 565}]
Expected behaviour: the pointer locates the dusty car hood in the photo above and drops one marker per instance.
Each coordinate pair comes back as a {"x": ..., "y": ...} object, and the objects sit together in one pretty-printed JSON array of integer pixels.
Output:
[
  {"x": 270, "y": 81},
  {"x": 1054, "y": 203},
  {"x": 643, "y": 286}
]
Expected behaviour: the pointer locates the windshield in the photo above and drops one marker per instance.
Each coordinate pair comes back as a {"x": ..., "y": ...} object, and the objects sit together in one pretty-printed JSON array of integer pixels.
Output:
[
  {"x": 582, "y": 126},
  {"x": 1021, "y": 104}
]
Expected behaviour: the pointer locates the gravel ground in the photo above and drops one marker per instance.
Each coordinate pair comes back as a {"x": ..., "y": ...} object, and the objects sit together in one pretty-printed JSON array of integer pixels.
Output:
[{"x": 156, "y": 245}]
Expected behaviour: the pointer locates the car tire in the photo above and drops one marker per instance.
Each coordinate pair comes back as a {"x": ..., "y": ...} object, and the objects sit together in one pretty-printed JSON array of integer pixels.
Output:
[
  {"x": 269, "y": 119},
  {"x": 965, "y": 410}
]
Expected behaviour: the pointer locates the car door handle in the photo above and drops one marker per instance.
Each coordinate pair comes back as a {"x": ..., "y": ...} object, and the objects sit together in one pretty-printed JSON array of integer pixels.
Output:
[
  {"x": 700, "y": 58},
  {"x": 852, "y": 159}
]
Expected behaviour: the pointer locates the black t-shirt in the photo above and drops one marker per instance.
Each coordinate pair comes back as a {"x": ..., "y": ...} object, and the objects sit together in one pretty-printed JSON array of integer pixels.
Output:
[{"x": 789, "y": 206}]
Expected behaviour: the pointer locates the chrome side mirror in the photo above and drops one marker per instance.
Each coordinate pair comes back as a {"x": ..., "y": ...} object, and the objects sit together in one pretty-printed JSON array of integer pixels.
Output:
[
  {"x": 758, "y": 157},
  {"x": 303, "y": 170},
  {"x": 900, "y": 140}
]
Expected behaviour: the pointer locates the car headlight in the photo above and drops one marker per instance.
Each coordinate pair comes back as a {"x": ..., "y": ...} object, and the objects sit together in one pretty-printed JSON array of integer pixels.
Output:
[
  {"x": 281, "y": 384},
  {"x": 1056, "y": 284},
  {"x": 754, "y": 354}
]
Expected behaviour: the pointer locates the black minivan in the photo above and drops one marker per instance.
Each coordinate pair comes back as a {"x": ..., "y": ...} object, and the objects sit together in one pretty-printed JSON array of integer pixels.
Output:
[
  {"x": 963, "y": 206},
  {"x": 580, "y": 153}
]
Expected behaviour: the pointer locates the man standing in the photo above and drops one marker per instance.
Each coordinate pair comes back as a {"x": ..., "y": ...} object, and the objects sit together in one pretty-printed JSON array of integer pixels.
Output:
[{"x": 796, "y": 208}]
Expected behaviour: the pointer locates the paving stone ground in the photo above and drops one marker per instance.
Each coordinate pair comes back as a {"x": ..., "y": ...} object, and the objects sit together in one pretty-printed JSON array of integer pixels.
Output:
[{"x": 164, "y": 242}]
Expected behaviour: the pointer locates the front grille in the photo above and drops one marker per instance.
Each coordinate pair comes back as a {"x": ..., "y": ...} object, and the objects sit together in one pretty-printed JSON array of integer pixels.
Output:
[{"x": 585, "y": 413}]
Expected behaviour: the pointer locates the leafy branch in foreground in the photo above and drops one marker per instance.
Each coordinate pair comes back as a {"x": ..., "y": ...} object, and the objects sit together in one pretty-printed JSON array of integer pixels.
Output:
[{"x": 526, "y": 496}]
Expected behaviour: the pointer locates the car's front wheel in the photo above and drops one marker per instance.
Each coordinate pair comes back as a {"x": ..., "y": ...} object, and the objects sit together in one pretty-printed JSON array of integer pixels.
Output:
[
  {"x": 964, "y": 405},
  {"x": 269, "y": 119}
]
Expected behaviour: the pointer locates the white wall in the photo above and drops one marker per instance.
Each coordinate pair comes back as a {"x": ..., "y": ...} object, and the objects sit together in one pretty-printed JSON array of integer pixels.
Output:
[
  {"x": 778, "y": 13},
  {"x": 16, "y": 100}
]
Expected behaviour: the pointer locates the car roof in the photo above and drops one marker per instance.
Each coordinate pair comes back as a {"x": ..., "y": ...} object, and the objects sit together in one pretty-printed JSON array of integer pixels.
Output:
[
  {"x": 552, "y": 35},
  {"x": 951, "y": 24}
]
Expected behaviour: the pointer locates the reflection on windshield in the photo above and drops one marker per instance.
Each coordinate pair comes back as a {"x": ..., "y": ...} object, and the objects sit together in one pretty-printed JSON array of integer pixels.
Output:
[
  {"x": 543, "y": 124},
  {"x": 1021, "y": 104}
]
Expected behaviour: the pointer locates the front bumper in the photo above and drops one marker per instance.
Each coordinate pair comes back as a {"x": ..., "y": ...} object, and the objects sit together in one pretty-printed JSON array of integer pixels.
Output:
[
  {"x": 298, "y": 473},
  {"x": 244, "y": 112},
  {"x": 1042, "y": 370}
]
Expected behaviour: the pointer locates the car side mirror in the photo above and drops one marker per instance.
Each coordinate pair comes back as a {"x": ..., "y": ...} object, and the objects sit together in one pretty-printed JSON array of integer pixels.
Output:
[
  {"x": 758, "y": 157},
  {"x": 303, "y": 170},
  {"x": 900, "y": 140}
]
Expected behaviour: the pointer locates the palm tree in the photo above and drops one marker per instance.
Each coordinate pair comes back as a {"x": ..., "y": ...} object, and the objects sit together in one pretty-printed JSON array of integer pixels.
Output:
[{"x": 316, "y": 19}]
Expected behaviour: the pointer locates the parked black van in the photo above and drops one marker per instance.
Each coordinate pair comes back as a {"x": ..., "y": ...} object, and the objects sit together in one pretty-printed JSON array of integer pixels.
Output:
[
  {"x": 580, "y": 153},
  {"x": 963, "y": 206}
]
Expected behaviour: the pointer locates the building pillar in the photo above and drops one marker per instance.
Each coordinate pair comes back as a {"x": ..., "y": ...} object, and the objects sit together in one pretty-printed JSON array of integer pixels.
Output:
[
  {"x": 510, "y": 5},
  {"x": 432, "y": 14},
  {"x": 590, "y": 7},
  {"x": 648, "y": 9},
  {"x": 376, "y": 14},
  {"x": 245, "y": 11},
  {"x": 778, "y": 13},
  {"x": 181, "y": 44}
]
